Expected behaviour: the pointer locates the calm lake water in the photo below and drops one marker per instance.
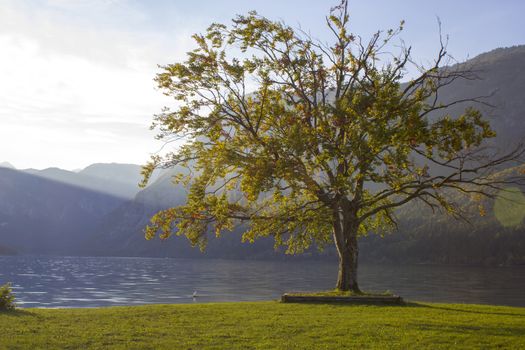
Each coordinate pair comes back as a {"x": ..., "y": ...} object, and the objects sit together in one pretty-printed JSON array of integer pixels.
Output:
[{"x": 92, "y": 282}]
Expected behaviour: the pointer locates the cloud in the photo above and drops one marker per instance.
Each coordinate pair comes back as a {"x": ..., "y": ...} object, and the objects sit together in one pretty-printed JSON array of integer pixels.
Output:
[{"x": 72, "y": 82}]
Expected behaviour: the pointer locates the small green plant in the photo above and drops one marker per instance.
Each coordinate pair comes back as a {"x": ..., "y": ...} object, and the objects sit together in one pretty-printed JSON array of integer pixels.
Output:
[{"x": 7, "y": 298}]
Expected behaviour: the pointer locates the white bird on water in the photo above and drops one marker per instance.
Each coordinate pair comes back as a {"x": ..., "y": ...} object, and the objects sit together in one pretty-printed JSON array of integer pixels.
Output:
[{"x": 194, "y": 293}]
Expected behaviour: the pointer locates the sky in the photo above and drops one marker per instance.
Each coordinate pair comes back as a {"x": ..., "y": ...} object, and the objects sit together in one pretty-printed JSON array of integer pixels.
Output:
[{"x": 76, "y": 76}]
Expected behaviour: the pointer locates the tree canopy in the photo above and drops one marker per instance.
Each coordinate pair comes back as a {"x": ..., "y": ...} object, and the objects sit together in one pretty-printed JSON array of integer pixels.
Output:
[{"x": 313, "y": 142}]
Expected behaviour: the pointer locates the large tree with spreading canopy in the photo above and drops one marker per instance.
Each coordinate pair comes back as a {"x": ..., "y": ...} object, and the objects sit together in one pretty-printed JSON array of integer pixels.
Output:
[{"x": 314, "y": 143}]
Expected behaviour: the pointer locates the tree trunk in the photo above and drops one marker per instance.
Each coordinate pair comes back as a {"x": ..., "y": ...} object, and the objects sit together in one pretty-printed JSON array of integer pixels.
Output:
[
  {"x": 345, "y": 237},
  {"x": 347, "y": 276}
]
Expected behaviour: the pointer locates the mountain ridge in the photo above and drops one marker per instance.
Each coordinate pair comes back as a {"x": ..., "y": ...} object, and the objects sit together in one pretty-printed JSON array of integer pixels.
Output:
[{"x": 119, "y": 231}]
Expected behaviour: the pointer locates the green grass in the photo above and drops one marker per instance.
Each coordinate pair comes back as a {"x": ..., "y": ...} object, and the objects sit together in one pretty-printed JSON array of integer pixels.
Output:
[{"x": 266, "y": 325}]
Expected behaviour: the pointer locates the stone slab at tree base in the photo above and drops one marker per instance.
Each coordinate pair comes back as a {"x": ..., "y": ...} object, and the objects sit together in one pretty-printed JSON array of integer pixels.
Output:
[{"x": 354, "y": 299}]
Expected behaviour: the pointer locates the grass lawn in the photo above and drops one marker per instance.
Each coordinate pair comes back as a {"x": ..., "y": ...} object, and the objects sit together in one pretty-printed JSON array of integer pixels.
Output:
[
  {"x": 338, "y": 293},
  {"x": 266, "y": 325}
]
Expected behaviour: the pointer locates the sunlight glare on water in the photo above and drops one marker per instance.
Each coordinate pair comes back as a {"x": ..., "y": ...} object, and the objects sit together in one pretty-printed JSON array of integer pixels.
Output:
[{"x": 104, "y": 281}]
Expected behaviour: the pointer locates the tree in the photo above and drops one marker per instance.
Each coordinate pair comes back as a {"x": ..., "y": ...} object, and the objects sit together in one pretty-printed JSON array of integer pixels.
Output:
[
  {"x": 7, "y": 298},
  {"x": 314, "y": 143}
]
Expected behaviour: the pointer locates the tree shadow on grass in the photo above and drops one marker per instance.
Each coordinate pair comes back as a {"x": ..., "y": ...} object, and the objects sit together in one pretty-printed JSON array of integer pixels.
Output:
[
  {"x": 460, "y": 310},
  {"x": 344, "y": 303},
  {"x": 410, "y": 304}
]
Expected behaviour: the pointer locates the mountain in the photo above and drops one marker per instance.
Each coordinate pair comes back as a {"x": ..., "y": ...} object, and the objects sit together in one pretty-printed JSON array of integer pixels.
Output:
[
  {"x": 40, "y": 215},
  {"x": 119, "y": 180},
  {"x": 501, "y": 79},
  {"x": 128, "y": 174},
  {"x": 493, "y": 232},
  {"x": 438, "y": 238},
  {"x": 121, "y": 232},
  {"x": 100, "y": 210},
  {"x": 6, "y": 165},
  {"x": 501, "y": 75}
]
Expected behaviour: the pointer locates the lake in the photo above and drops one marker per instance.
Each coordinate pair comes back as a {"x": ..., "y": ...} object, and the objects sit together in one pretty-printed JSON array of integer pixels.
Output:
[{"x": 107, "y": 281}]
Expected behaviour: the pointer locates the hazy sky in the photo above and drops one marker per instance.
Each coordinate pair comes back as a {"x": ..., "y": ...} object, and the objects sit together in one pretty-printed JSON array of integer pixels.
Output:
[{"x": 76, "y": 75}]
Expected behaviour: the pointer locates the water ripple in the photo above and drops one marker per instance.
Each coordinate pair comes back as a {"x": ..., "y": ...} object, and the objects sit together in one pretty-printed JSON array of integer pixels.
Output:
[{"x": 92, "y": 282}]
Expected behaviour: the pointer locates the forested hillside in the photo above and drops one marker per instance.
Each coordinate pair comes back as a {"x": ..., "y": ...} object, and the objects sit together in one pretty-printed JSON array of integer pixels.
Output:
[{"x": 100, "y": 210}]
